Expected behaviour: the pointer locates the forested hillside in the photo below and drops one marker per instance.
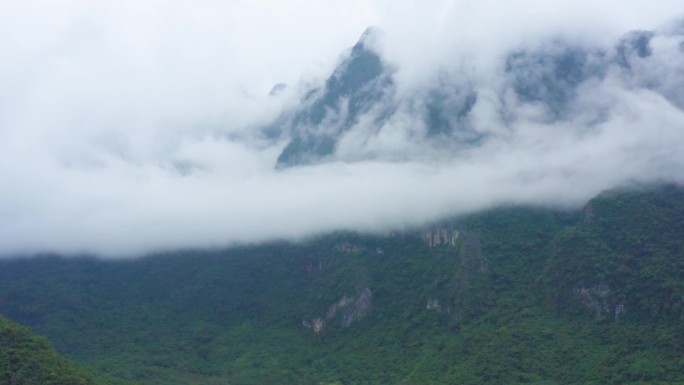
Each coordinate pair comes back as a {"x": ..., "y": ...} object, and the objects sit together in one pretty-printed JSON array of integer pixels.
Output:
[
  {"x": 510, "y": 295},
  {"x": 26, "y": 359}
]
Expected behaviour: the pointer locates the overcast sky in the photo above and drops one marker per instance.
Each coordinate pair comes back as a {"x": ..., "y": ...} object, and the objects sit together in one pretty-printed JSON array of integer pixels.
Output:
[{"x": 130, "y": 126}]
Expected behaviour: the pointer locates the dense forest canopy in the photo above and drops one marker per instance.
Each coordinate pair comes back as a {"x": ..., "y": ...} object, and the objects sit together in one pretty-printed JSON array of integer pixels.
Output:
[{"x": 510, "y": 295}]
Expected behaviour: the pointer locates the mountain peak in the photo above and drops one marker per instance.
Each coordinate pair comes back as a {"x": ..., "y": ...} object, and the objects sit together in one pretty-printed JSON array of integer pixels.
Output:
[
  {"x": 369, "y": 38},
  {"x": 355, "y": 86}
]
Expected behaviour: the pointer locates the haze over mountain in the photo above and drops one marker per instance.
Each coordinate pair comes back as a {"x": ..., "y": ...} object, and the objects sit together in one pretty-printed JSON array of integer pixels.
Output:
[{"x": 127, "y": 128}]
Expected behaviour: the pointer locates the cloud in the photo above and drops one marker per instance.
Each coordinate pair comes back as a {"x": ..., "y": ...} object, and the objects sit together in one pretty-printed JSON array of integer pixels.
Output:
[{"x": 129, "y": 127}]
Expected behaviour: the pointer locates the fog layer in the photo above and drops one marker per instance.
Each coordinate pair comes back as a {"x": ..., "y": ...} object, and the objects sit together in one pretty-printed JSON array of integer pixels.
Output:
[{"x": 129, "y": 127}]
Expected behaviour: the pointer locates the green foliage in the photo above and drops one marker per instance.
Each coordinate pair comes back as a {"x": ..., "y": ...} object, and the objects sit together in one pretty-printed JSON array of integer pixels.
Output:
[
  {"x": 26, "y": 359},
  {"x": 527, "y": 295}
]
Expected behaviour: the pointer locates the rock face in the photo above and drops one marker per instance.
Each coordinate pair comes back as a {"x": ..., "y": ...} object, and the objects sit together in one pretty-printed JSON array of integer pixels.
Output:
[
  {"x": 351, "y": 309},
  {"x": 345, "y": 310},
  {"x": 434, "y": 304},
  {"x": 440, "y": 236},
  {"x": 361, "y": 82},
  {"x": 551, "y": 76},
  {"x": 453, "y": 295},
  {"x": 360, "y": 97},
  {"x": 347, "y": 248},
  {"x": 349, "y": 115},
  {"x": 599, "y": 299}
]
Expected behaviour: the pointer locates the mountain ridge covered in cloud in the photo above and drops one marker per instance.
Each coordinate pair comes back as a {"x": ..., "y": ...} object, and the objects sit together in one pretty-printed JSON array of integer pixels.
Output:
[
  {"x": 357, "y": 105},
  {"x": 159, "y": 134}
]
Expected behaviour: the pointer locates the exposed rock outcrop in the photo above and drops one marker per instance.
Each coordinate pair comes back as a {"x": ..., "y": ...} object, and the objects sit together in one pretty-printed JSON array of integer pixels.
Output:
[
  {"x": 434, "y": 304},
  {"x": 599, "y": 299},
  {"x": 347, "y": 248},
  {"x": 316, "y": 324},
  {"x": 346, "y": 310},
  {"x": 440, "y": 236}
]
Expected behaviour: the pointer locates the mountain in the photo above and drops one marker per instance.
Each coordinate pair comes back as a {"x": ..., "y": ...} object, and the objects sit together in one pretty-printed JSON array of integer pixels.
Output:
[
  {"x": 361, "y": 93},
  {"x": 357, "y": 85},
  {"x": 27, "y": 359},
  {"x": 345, "y": 118},
  {"x": 510, "y": 295}
]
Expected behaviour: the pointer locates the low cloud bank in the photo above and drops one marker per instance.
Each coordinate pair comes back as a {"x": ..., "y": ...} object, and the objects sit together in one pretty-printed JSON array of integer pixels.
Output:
[{"x": 126, "y": 129}]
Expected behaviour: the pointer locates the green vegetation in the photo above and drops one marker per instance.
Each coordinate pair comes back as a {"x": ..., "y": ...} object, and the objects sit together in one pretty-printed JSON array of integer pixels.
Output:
[
  {"x": 26, "y": 359},
  {"x": 525, "y": 295}
]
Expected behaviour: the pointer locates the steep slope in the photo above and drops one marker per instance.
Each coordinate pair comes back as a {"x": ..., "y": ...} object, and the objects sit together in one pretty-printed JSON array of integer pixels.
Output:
[
  {"x": 511, "y": 295},
  {"x": 26, "y": 359},
  {"x": 361, "y": 112},
  {"x": 357, "y": 85}
]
